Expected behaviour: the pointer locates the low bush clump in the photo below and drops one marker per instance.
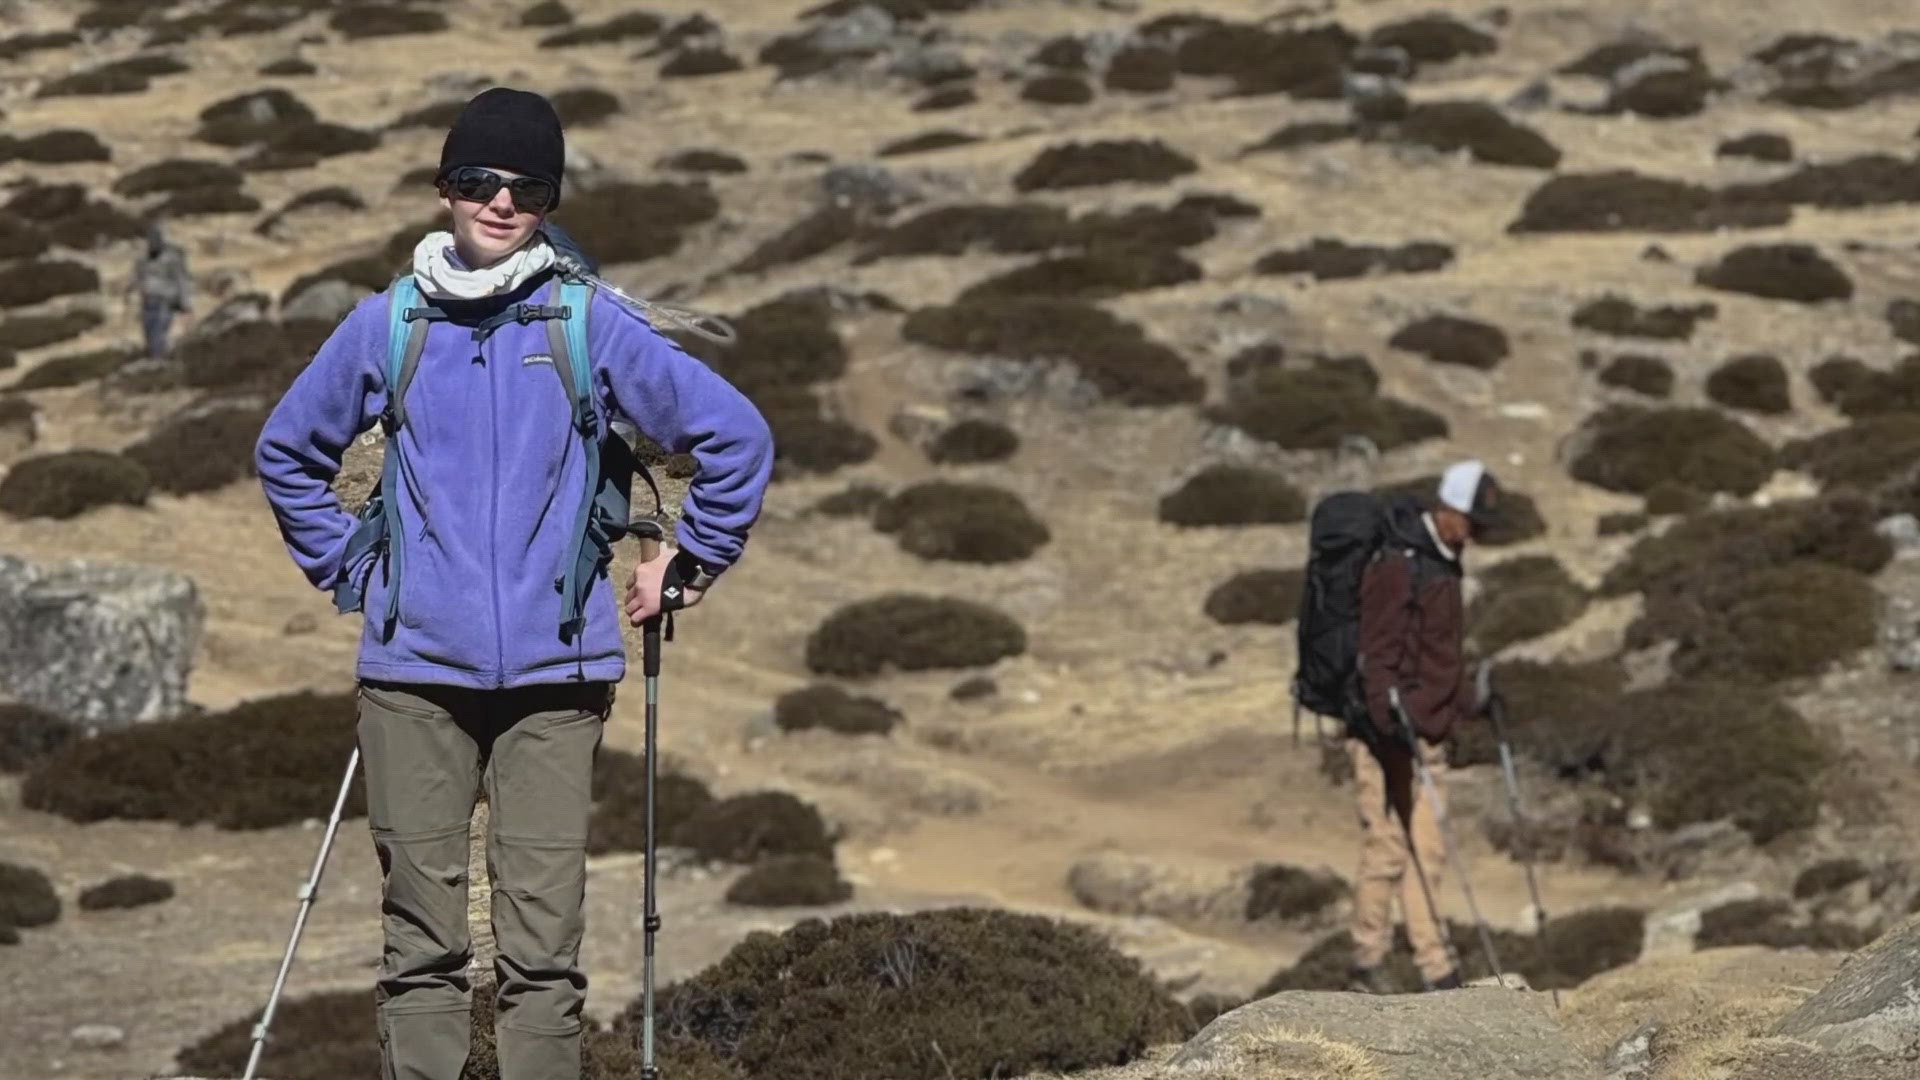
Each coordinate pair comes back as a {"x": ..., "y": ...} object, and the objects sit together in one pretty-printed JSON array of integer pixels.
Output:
[
  {"x": 1864, "y": 454},
  {"x": 130, "y": 891},
  {"x": 385, "y": 20},
  {"x": 972, "y": 441},
  {"x": 1558, "y": 713},
  {"x": 1433, "y": 39},
  {"x": 68, "y": 217},
  {"x": 262, "y": 763},
  {"x": 820, "y": 231},
  {"x": 1020, "y": 228},
  {"x": 1329, "y": 260},
  {"x": 1316, "y": 407},
  {"x": 1057, "y": 90},
  {"x": 208, "y": 200},
  {"x": 1771, "y": 922},
  {"x": 253, "y": 355},
  {"x": 1828, "y": 876},
  {"x": 911, "y": 632},
  {"x": 788, "y": 341},
  {"x": 926, "y": 142},
  {"x": 1570, "y": 950},
  {"x": 791, "y": 881},
  {"x": 26, "y": 897},
  {"x": 854, "y": 500},
  {"x": 979, "y": 523},
  {"x": 23, "y": 284},
  {"x": 1140, "y": 69},
  {"x": 289, "y": 66},
  {"x": 805, "y": 437},
  {"x": 1647, "y": 375},
  {"x": 1630, "y": 449},
  {"x": 1225, "y": 494},
  {"x": 202, "y": 451},
  {"x": 1115, "y": 356},
  {"x": 1620, "y": 317},
  {"x": 68, "y": 483},
  {"x": 1668, "y": 497},
  {"x": 926, "y": 996},
  {"x": 252, "y": 117},
  {"x": 1758, "y": 145},
  {"x": 824, "y": 705},
  {"x": 63, "y": 146},
  {"x": 698, "y": 60},
  {"x": 1083, "y": 164},
  {"x": 547, "y": 13},
  {"x": 582, "y": 106},
  {"x": 1103, "y": 271},
  {"x": 1304, "y": 63},
  {"x": 1701, "y": 750},
  {"x": 34, "y": 331},
  {"x": 302, "y": 144},
  {"x": 1756, "y": 383},
  {"x": 1834, "y": 529},
  {"x": 1269, "y": 597},
  {"x": 633, "y": 222},
  {"x": 1625, "y": 201},
  {"x": 1449, "y": 339},
  {"x": 748, "y": 828},
  {"x": 946, "y": 98},
  {"x": 1522, "y": 599},
  {"x": 20, "y": 239},
  {"x": 75, "y": 369},
  {"x": 1870, "y": 180},
  {"x": 1481, "y": 130},
  {"x": 177, "y": 174},
  {"x": 1289, "y": 892},
  {"x": 619, "y": 818},
  {"x": 1796, "y": 272},
  {"x": 1859, "y": 391},
  {"x": 704, "y": 161},
  {"x": 28, "y": 734},
  {"x": 1783, "y": 622}
]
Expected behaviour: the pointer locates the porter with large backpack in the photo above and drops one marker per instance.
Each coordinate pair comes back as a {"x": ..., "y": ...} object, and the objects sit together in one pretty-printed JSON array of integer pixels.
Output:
[{"x": 1347, "y": 531}]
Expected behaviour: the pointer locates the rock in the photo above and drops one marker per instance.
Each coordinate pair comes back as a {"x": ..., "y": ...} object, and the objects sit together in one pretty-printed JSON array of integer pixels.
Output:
[
  {"x": 1375, "y": 99},
  {"x": 1469, "y": 1034},
  {"x": 1632, "y": 1057},
  {"x": 99, "y": 644},
  {"x": 97, "y": 1036},
  {"x": 1903, "y": 531},
  {"x": 918, "y": 425},
  {"x": 866, "y": 189},
  {"x": 302, "y": 623},
  {"x": 1671, "y": 930},
  {"x": 930, "y": 66},
  {"x": 146, "y": 376},
  {"x": 1117, "y": 883},
  {"x": 328, "y": 301},
  {"x": 992, "y": 379},
  {"x": 1871, "y": 1004},
  {"x": 1508, "y": 980},
  {"x": 247, "y": 307}
]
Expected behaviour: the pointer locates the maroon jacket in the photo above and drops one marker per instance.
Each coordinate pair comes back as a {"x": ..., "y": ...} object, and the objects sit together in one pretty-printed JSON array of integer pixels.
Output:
[{"x": 1411, "y": 640}]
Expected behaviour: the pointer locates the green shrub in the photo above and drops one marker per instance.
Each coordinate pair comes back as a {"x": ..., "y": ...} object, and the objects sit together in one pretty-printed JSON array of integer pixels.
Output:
[
  {"x": 584, "y": 106},
  {"x": 1481, "y": 130},
  {"x": 927, "y": 996},
  {"x": 26, "y": 283},
  {"x": 947, "y": 97},
  {"x": 253, "y": 355},
  {"x": 385, "y": 20},
  {"x": 1448, "y": 339},
  {"x": 820, "y": 231},
  {"x": 1860, "y": 391},
  {"x": 34, "y": 331},
  {"x": 624, "y": 27},
  {"x": 1329, "y": 260},
  {"x": 1796, "y": 272},
  {"x": 1304, "y": 63},
  {"x": 927, "y": 142},
  {"x": 704, "y": 161},
  {"x": 1141, "y": 69},
  {"x": 72, "y": 370},
  {"x": 1647, "y": 375},
  {"x": 1828, "y": 876},
  {"x": 130, "y": 891},
  {"x": 824, "y": 705},
  {"x": 1307, "y": 133},
  {"x": 1521, "y": 599},
  {"x": 26, "y": 896},
  {"x": 204, "y": 451},
  {"x": 790, "y": 881},
  {"x": 1770, "y": 922},
  {"x": 1057, "y": 90},
  {"x": 1621, "y": 200},
  {"x": 1225, "y": 494},
  {"x": 854, "y": 500},
  {"x": 177, "y": 174},
  {"x": 1877, "y": 179},
  {"x": 28, "y": 734},
  {"x": 747, "y": 828},
  {"x": 1755, "y": 383},
  {"x": 912, "y": 633},
  {"x": 952, "y": 230},
  {"x": 1561, "y": 714},
  {"x": 1620, "y": 317},
  {"x": 788, "y": 341},
  {"x": 210, "y": 200},
  {"x": 1269, "y": 597},
  {"x": 69, "y": 483},
  {"x": 1115, "y": 356},
  {"x": 619, "y": 818},
  {"x": 1837, "y": 530},
  {"x": 20, "y": 239},
  {"x": 1630, "y": 449},
  {"x": 633, "y": 222},
  {"x": 979, "y": 523},
  {"x": 316, "y": 1037},
  {"x": 1433, "y": 38},
  {"x": 94, "y": 82},
  {"x": 289, "y": 67},
  {"x": 1701, "y": 750},
  {"x": 439, "y": 115},
  {"x": 1079, "y": 164},
  {"x": 1758, "y": 145},
  {"x": 263, "y": 763},
  {"x": 1315, "y": 408},
  {"x": 1288, "y": 892},
  {"x": 972, "y": 441},
  {"x": 1570, "y": 950},
  {"x": 1782, "y": 622},
  {"x": 64, "y": 146},
  {"x": 1103, "y": 271},
  {"x": 547, "y": 13},
  {"x": 806, "y": 439},
  {"x": 251, "y": 117},
  {"x": 1864, "y": 454},
  {"x": 1668, "y": 497},
  {"x": 1620, "y": 524}
]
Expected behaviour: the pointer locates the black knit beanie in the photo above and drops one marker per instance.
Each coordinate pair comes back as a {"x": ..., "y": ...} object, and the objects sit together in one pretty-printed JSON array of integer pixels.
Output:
[{"x": 508, "y": 129}]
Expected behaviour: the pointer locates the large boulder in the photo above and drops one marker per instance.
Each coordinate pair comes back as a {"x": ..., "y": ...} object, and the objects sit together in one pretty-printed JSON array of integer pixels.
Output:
[
  {"x": 1471, "y": 1034},
  {"x": 99, "y": 644},
  {"x": 1872, "y": 1003}
]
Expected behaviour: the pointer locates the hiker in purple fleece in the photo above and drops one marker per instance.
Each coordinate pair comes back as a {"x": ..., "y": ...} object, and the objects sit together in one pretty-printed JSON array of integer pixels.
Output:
[{"x": 474, "y": 684}]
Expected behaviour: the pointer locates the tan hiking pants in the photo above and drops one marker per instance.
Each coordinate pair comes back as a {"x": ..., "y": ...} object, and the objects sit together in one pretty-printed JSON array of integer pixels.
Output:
[
  {"x": 1386, "y": 870},
  {"x": 427, "y": 751}
]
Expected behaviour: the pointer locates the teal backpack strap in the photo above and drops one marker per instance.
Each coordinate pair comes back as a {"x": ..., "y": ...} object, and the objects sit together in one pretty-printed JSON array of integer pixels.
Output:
[{"x": 593, "y": 536}]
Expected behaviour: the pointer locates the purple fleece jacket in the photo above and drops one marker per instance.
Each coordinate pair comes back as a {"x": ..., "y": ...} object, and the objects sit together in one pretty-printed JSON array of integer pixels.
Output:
[{"x": 497, "y": 473}]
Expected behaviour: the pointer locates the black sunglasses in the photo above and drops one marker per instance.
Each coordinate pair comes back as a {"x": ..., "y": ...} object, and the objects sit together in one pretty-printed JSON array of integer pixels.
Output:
[{"x": 531, "y": 195}]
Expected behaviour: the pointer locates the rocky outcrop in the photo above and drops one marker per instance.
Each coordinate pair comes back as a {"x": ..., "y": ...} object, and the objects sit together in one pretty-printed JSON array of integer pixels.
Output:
[{"x": 1872, "y": 1003}]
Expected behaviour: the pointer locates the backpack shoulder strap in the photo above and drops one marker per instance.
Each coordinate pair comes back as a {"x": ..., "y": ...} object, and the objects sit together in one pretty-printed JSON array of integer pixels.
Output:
[
  {"x": 567, "y": 341},
  {"x": 406, "y": 340}
]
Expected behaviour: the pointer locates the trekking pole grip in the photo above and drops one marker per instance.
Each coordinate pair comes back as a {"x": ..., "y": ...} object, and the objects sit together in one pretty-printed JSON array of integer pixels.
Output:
[{"x": 650, "y": 545}]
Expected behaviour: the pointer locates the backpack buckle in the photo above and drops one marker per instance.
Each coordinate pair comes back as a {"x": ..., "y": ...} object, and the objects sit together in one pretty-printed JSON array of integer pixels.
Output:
[{"x": 389, "y": 421}]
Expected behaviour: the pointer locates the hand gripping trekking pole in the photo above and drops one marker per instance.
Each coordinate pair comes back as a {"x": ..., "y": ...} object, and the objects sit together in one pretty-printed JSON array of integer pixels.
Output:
[
  {"x": 308, "y": 892},
  {"x": 1446, "y": 833},
  {"x": 1497, "y": 713},
  {"x": 651, "y": 534}
]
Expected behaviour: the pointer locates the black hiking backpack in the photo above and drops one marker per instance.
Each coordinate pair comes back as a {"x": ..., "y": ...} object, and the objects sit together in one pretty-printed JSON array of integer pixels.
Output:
[{"x": 1346, "y": 531}]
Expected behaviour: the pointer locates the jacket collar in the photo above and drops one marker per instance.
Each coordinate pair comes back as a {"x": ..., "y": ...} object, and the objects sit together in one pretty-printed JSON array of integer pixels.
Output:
[{"x": 1433, "y": 533}]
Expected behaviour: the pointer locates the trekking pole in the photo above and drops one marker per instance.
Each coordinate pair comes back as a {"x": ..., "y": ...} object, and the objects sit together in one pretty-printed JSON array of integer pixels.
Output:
[
  {"x": 308, "y": 892},
  {"x": 651, "y": 534},
  {"x": 1497, "y": 713},
  {"x": 1446, "y": 834}
]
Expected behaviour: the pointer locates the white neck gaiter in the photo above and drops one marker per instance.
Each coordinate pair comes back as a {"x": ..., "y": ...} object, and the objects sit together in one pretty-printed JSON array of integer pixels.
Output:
[{"x": 441, "y": 278}]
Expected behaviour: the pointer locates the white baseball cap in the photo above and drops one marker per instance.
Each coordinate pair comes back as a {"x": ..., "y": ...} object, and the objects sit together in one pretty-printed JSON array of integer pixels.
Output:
[{"x": 1466, "y": 486}]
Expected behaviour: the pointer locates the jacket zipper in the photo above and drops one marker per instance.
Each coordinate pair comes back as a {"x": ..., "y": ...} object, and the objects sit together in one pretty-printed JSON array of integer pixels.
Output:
[{"x": 493, "y": 517}]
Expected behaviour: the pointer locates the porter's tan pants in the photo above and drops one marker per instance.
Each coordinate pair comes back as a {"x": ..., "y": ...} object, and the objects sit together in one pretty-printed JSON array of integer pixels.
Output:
[{"x": 1386, "y": 870}]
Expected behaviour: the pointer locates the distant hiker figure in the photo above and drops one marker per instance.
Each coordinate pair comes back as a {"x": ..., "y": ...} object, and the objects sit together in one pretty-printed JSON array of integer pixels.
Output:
[
  {"x": 492, "y": 639},
  {"x": 164, "y": 286},
  {"x": 1411, "y": 622}
]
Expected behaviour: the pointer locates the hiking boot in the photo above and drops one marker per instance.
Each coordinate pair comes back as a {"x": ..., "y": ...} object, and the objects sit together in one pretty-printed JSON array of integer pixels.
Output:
[
  {"x": 1449, "y": 981},
  {"x": 1367, "y": 980}
]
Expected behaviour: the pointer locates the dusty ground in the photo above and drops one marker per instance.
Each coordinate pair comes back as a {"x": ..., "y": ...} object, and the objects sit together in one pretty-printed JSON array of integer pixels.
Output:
[{"x": 1113, "y": 730}]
